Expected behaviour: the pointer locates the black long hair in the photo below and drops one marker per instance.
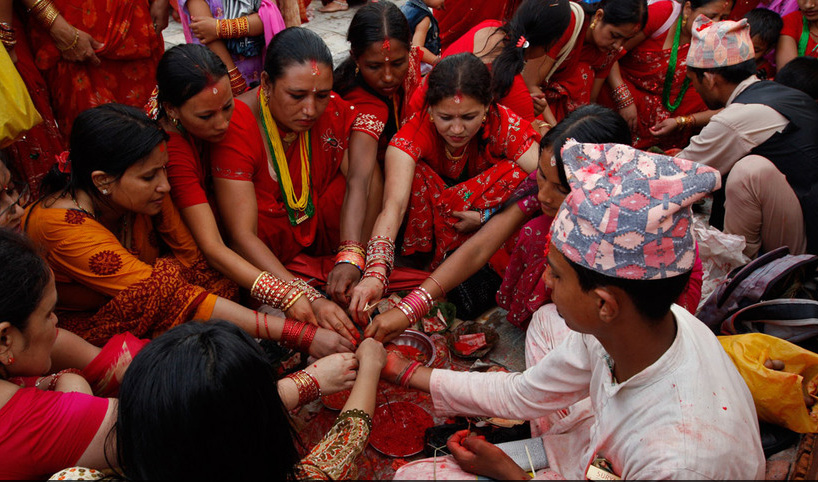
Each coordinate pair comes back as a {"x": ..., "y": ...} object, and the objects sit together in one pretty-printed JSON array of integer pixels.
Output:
[
  {"x": 372, "y": 24},
  {"x": 201, "y": 402},
  {"x": 23, "y": 279},
  {"x": 541, "y": 22},
  {"x": 108, "y": 138},
  {"x": 294, "y": 45},
  {"x": 185, "y": 70}
]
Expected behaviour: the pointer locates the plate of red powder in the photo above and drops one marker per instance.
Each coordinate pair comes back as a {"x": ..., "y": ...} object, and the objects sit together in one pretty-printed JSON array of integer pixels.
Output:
[{"x": 399, "y": 432}]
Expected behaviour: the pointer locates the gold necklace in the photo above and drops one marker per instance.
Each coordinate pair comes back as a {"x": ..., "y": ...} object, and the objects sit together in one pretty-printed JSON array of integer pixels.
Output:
[
  {"x": 290, "y": 137},
  {"x": 451, "y": 156}
]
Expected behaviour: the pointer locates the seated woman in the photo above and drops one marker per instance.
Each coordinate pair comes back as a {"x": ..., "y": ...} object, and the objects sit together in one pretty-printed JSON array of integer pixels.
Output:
[
  {"x": 664, "y": 111},
  {"x": 378, "y": 78},
  {"x": 448, "y": 169},
  {"x": 798, "y": 37},
  {"x": 225, "y": 418},
  {"x": 235, "y": 30},
  {"x": 284, "y": 183},
  {"x": 506, "y": 46},
  {"x": 196, "y": 108},
  {"x": 529, "y": 212},
  {"x": 54, "y": 421},
  {"x": 122, "y": 257},
  {"x": 573, "y": 71}
]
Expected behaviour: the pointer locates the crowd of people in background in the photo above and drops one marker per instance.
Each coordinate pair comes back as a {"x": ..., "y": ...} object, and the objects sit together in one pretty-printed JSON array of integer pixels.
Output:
[{"x": 164, "y": 214}]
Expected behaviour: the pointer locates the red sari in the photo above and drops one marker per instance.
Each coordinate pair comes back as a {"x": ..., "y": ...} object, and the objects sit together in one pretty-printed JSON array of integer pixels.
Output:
[
  {"x": 131, "y": 51},
  {"x": 793, "y": 27},
  {"x": 643, "y": 70},
  {"x": 571, "y": 84},
  {"x": 242, "y": 156},
  {"x": 483, "y": 178},
  {"x": 461, "y": 15},
  {"x": 376, "y": 114},
  {"x": 33, "y": 155},
  {"x": 518, "y": 98}
]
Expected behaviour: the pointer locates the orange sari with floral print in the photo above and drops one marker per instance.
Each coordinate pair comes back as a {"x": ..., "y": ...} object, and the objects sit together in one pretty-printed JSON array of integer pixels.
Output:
[
  {"x": 131, "y": 50},
  {"x": 159, "y": 281}
]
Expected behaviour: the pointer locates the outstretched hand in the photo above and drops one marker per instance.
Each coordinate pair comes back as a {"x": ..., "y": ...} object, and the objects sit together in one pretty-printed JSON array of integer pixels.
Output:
[{"x": 474, "y": 454}]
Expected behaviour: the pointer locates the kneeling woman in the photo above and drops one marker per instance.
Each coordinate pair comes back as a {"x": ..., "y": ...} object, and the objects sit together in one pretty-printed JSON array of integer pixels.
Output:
[
  {"x": 122, "y": 258},
  {"x": 450, "y": 167},
  {"x": 282, "y": 170}
]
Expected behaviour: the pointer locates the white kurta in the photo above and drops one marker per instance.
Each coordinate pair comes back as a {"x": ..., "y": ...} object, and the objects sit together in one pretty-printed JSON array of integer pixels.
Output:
[{"x": 687, "y": 416}]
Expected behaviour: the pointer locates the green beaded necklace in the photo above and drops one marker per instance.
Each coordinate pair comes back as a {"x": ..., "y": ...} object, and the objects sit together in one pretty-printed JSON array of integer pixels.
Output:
[{"x": 671, "y": 72}]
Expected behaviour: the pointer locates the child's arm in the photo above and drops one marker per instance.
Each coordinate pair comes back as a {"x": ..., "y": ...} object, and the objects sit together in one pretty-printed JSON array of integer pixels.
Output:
[{"x": 419, "y": 39}]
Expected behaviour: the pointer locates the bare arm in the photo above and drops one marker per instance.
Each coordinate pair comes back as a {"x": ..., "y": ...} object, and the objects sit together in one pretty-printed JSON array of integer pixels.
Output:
[
  {"x": 629, "y": 113},
  {"x": 71, "y": 351},
  {"x": 200, "y": 10},
  {"x": 358, "y": 166},
  {"x": 94, "y": 455},
  {"x": 786, "y": 50},
  {"x": 419, "y": 39},
  {"x": 66, "y": 35},
  {"x": 528, "y": 161},
  {"x": 202, "y": 225},
  {"x": 455, "y": 269},
  {"x": 400, "y": 170}
]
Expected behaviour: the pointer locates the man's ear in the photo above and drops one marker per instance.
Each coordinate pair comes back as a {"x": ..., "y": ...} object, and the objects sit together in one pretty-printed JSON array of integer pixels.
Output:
[
  {"x": 709, "y": 80},
  {"x": 608, "y": 304}
]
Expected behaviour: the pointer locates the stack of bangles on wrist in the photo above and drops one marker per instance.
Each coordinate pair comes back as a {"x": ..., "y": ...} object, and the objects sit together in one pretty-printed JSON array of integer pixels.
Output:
[
  {"x": 351, "y": 252},
  {"x": 237, "y": 83},
  {"x": 403, "y": 377},
  {"x": 307, "y": 384},
  {"x": 232, "y": 27},
  {"x": 280, "y": 294},
  {"x": 486, "y": 214},
  {"x": 685, "y": 120},
  {"x": 416, "y": 304},
  {"x": 7, "y": 35},
  {"x": 380, "y": 253},
  {"x": 45, "y": 12},
  {"x": 622, "y": 97},
  {"x": 53, "y": 379},
  {"x": 295, "y": 330}
]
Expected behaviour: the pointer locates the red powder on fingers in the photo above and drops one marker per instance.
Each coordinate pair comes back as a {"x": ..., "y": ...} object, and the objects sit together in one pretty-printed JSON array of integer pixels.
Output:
[
  {"x": 402, "y": 435},
  {"x": 407, "y": 351}
]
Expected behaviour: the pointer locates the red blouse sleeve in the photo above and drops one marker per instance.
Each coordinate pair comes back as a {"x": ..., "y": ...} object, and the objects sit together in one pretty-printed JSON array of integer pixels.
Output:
[
  {"x": 235, "y": 157},
  {"x": 185, "y": 173},
  {"x": 512, "y": 136},
  {"x": 416, "y": 137},
  {"x": 44, "y": 432},
  {"x": 372, "y": 113},
  {"x": 519, "y": 99},
  {"x": 793, "y": 25}
]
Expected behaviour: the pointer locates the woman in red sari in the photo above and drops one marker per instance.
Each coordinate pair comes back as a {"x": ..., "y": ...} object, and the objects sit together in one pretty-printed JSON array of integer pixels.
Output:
[
  {"x": 571, "y": 74},
  {"x": 799, "y": 37},
  {"x": 96, "y": 52},
  {"x": 196, "y": 108},
  {"x": 378, "y": 78},
  {"x": 122, "y": 258},
  {"x": 449, "y": 168},
  {"x": 459, "y": 16},
  {"x": 506, "y": 46},
  {"x": 281, "y": 173},
  {"x": 653, "y": 75}
]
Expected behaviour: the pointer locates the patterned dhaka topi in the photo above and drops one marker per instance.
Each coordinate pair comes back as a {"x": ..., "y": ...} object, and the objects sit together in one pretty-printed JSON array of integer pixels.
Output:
[
  {"x": 719, "y": 44},
  {"x": 628, "y": 213}
]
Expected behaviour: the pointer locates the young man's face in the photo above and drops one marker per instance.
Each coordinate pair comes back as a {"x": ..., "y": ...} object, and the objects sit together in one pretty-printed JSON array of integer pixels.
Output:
[
  {"x": 578, "y": 308},
  {"x": 760, "y": 47},
  {"x": 706, "y": 90}
]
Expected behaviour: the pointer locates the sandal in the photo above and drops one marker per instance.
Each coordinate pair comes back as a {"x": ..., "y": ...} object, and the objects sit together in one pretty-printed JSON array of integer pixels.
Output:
[{"x": 334, "y": 6}]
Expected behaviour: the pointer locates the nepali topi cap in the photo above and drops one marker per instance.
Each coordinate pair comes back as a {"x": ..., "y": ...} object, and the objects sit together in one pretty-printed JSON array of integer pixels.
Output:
[
  {"x": 628, "y": 214},
  {"x": 719, "y": 44}
]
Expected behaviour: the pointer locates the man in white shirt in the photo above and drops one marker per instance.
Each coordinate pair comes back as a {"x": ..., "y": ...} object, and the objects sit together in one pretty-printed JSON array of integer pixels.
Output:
[{"x": 765, "y": 138}]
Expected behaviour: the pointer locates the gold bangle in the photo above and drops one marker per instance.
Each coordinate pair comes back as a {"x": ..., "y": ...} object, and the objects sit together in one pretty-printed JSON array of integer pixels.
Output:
[
  {"x": 73, "y": 44},
  {"x": 45, "y": 12}
]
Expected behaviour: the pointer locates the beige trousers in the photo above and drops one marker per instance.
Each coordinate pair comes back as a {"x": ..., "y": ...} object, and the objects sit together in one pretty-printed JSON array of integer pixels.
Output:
[{"x": 761, "y": 206}]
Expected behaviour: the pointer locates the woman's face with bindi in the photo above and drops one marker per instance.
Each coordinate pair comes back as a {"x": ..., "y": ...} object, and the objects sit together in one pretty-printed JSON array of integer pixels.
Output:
[
  {"x": 609, "y": 37},
  {"x": 142, "y": 188},
  {"x": 300, "y": 96},
  {"x": 551, "y": 192},
  {"x": 206, "y": 115},
  {"x": 458, "y": 118},
  {"x": 383, "y": 66}
]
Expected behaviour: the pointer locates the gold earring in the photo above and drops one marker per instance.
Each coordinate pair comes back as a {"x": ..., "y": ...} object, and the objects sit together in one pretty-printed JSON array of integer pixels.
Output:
[
  {"x": 431, "y": 118},
  {"x": 356, "y": 70},
  {"x": 684, "y": 20},
  {"x": 593, "y": 24},
  {"x": 484, "y": 118}
]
